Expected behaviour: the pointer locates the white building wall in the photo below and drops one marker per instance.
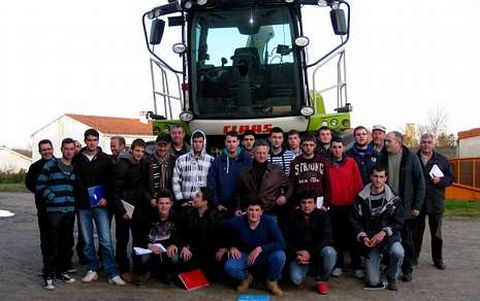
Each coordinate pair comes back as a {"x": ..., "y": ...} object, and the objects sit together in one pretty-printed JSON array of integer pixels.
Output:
[
  {"x": 469, "y": 147},
  {"x": 65, "y": 126},
  {"x": 56, "y": 131},
  {"x": 12, "y": 162}
]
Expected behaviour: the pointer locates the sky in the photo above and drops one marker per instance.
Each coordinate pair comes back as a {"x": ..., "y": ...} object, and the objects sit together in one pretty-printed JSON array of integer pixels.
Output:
[{"x": 405, "y": 59}]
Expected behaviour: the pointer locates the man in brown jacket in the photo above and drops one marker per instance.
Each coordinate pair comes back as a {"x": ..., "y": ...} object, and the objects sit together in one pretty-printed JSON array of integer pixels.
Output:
[{"x": 263, "y": 181}]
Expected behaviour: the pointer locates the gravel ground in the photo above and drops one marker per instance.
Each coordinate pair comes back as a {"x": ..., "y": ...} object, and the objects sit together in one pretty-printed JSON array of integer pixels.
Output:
[{"x": 20, "y": 263}]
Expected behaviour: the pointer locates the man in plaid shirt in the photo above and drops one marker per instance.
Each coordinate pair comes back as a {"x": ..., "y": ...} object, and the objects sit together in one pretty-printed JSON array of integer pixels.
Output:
[{"x": 191, "y": 170}]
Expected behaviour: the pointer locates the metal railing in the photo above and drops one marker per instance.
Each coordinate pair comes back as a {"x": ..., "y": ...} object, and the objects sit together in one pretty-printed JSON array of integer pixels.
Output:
[
  {"x": 164, "y": 92},
  {"x": 466, "y": 172}
]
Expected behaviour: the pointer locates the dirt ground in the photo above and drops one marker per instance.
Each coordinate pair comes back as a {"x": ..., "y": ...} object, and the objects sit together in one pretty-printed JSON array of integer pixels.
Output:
[{"x": 20, "y": 263}]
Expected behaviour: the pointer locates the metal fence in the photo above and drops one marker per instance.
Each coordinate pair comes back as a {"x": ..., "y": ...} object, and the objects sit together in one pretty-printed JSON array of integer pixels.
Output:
[{"x": 466, "y": 185}]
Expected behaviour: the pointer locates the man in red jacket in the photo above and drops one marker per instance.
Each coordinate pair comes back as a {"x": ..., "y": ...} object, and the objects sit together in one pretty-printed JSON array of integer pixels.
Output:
[{"x": 345, "y": 183}]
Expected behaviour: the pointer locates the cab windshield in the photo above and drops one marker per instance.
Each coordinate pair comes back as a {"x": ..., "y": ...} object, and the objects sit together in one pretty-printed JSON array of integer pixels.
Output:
[{"x": 243, "y": 64}]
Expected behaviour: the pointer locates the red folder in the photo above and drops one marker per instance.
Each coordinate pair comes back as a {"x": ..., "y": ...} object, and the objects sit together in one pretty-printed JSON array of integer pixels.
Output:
[{"x": 193, "y": 279}]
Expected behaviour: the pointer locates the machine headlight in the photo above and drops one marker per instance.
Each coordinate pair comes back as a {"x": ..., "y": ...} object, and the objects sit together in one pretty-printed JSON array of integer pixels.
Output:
[
  {"x": 186, "y": 116},
  {"x": 302, "y": 41},
  {"x": 307, "y": 111},
  {"x": 179, "y": 48}
]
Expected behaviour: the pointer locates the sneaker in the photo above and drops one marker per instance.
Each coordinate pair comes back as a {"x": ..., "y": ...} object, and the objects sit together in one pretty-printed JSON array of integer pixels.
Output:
[
  {"x": 90, "y": 276},
  {"x": 66, "y": 278},
  {"x": 440, "y": 265},
  {"x": 71, "y": 270},
  {"x": 377, "y": 287},
  {"x": 392, "y": 285},
  {"x": 49, "y": 285},
  {"x": 360, "y": 274},
  {"x": 337, "y": 272},
  {"x": 407, "y": 277},
  {"x": 117, "y": 280},
  {"x": 322, "y": 288}
]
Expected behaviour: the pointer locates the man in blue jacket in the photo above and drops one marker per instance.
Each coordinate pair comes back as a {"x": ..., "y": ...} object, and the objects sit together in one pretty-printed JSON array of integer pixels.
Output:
[
  {"x": 222, "y": 176},
  {"x": 364, "y": 153},
  {"x": 255, "y": 240}
]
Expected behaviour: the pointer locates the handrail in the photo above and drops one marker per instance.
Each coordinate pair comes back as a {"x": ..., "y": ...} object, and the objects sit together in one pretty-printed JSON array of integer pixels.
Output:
[{"x": 165, "y": 92}]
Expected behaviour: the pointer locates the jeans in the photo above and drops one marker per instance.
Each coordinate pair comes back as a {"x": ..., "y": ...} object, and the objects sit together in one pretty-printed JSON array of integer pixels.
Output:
[
  {"x": 323, "y": 263},
  {"x": 435, "y": 226},
  {"x": 58, "y": 237},
  {"x": 101, "y": 217},
  {"x": 372, "y": 263},
  {"x": 238, "y": 268}
]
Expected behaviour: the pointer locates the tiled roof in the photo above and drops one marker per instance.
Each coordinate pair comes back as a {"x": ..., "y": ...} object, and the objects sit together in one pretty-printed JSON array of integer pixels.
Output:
[
  {"x": 470, "y": 133},
  {"x": 115, "y": 125}
]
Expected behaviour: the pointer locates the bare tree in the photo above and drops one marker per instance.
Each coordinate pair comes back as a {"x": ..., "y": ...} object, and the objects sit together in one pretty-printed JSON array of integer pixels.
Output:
[{"x": 437, "y": 124}]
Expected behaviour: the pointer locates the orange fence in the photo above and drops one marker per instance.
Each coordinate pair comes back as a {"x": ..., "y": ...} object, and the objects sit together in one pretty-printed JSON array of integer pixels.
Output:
[{"x": 467, "y": 179}]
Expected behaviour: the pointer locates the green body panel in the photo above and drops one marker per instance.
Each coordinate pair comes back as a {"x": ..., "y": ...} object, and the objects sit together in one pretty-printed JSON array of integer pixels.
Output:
[
  {"x": 163, "y": 126},
  {"x": 335, "y": 121}
]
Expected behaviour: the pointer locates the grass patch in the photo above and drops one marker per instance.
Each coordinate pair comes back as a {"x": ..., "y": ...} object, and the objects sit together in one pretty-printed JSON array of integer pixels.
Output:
[
  {"x": 462, "y": 208},
  {"x": 13, "y": 187}
]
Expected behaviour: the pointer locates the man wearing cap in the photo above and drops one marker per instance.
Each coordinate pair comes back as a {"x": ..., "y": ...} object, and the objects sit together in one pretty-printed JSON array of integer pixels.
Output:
[
  {"x": 378, "y": 137},
  {"x": 158, "y": 169}
]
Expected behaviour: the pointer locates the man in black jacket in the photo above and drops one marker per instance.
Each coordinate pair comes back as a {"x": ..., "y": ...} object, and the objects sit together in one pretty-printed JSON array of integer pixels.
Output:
[
  {"x": 438, "y": 174},
  {"x": 309, "y": 239},
  {"x": 126, "y": 187},
  {"x": 377, "y": 217},
  {"x": 45, "y": 148},
  {"x": 92, "y": 197},
  {"x": 405, "y": 177}
]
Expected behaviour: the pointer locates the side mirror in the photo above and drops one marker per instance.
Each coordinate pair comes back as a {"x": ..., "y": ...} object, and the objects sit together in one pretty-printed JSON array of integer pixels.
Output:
[
  {"x": 337, "y": 16},
  {"x": 156, "y": 31}
]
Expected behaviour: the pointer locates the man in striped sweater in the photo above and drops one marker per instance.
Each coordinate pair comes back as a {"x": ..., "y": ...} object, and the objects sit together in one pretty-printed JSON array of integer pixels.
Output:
[
  {"x": 191, "y": 170},
  {"x": 279, "y": 155},
  {"x": 55, "y": 184}
]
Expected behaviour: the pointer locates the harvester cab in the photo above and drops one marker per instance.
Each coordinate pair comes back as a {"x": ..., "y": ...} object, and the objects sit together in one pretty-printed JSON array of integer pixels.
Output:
[{"x": 244, "y": 66}]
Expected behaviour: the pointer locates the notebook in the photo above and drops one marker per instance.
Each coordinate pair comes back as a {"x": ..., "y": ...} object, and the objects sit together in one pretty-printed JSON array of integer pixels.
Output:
[
  {"x": 193, "y": 280},
  {"x": 95, "y": 194}
]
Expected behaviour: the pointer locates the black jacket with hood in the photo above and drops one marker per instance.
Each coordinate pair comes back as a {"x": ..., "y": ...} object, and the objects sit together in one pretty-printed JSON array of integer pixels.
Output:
[
  {"x": 390, "y": 219},
  {"x": 126, "y": 183}
]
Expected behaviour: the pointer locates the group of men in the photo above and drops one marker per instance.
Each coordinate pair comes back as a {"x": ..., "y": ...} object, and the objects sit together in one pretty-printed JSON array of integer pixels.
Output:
[{"x": 291, "y": 201}]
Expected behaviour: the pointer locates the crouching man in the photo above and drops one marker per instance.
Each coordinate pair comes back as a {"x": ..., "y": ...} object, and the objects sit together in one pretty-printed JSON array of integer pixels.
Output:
[
  {"x": 163, "y": 240},
  {"x": 377, "y": 217},
  {"x": 255, "y": 241},
  {"x": 309, "y": 243}
]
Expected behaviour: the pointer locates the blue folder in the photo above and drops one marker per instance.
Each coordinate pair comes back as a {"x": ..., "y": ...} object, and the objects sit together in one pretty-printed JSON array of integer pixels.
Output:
[
  {"x": 253, "y": 297},
  {"x": 95, "y": 194}
]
